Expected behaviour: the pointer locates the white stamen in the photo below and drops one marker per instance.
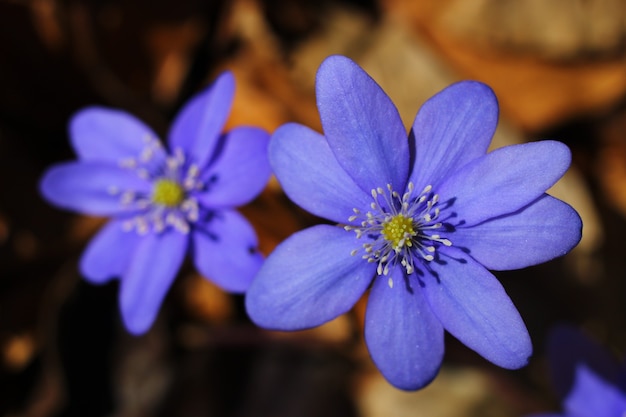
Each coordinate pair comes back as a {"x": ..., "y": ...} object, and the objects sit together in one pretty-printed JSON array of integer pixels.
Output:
[
  {"x": 127, "y": 197},
  {"x": 157, "y": 217},
  {"x": 414, "y": 243},
  {"x": 129, "y": 163},
  {"x": 141, "y": 225},
  {"x": 142, "y": 203},
  {"x": 191, "y": 208},
  {"x": 159, "y": 226},
  {"x": 146, "y": 154},
  {"x": 143, "y": 173}
]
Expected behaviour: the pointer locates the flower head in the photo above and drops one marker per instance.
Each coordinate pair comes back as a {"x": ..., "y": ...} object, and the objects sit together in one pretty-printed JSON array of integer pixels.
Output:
[
  {"x": 420, "y": 223},
  {"x": 164, "y": 202},
  {"x": 591, "y": 382}
]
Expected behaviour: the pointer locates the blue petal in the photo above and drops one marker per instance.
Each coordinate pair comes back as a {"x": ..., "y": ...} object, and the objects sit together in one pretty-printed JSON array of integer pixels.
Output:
[
  {"x": 240, "y": 171},
  {"x": 109, "y": 253},
  {"x": 197, "y": 127},
  {"x": 592, "y": 396},
  {"x": 569, "y": 348},
  {"x": 225, "y": 251},
  {"x": 92, "y": 187},
  {"x": 310, "y": 175},
  {"x": 150, "y": 274},
  {"x": 363, "y": 127},
  {"x": 309, "y": 279},
  {"x": 452, "y": 128},
  {"x": 544, "y": 230},
  {"x": 472, "y": 305},
  {"x": 108, "y": 135},
  {"x": 403, "y": 336},
  {"x": 504, "y": 180}
]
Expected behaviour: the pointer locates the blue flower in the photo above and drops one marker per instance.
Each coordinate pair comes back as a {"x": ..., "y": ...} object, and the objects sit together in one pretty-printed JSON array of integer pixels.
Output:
[
  {"x": 164, "y": 202},
  {"x": 421, "y": 222},
  {"x": 590, "y": 381}
]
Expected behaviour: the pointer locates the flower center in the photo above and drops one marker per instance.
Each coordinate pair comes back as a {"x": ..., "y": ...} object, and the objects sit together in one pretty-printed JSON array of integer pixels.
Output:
[
  {"x": 400, "y": 229},
  {"x": 175, "y": 184},
  {"x": 167, "y": 193},
  {"x": 397, "y": 230}
]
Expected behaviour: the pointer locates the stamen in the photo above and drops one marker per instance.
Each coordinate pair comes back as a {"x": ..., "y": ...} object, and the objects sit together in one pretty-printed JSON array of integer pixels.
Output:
[
  {"x": 191, "y": 181},
  {"x": 142, "y": 203},
  {"x": 171, "y": 202},
  {"x": 398, "y": 226},
  {"x": 127, "y": 197},
  {"x": 190, "y": 206},
  {"x": 146, "y": 154},
  {"x": 128, "y": 163},
  {"x": 142, "y": 225},
  {"x": 143, "y": 173}
]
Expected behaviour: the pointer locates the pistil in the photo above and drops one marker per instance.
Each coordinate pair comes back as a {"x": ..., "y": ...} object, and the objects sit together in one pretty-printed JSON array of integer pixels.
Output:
[{"x": 167, "y": 193}]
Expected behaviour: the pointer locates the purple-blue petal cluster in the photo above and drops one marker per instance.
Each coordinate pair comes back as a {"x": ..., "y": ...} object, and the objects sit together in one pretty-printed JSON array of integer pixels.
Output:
[
  {"x": 420, "y": 223},
  {"x": 589, "y": 380},
  {"x": 165, "y": 201}
]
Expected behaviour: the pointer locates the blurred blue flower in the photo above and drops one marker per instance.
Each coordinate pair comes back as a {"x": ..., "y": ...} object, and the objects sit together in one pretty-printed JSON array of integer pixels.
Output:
[
  {"x": 164, "y": 202},
  {"x": 422, "y": 222},
  {"x": 590, "y": 381}
]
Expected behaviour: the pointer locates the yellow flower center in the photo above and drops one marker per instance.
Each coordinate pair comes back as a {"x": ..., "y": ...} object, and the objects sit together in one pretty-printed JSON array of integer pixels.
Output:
[
  {"x": 398, "y": 230},
  {"x": 401, "y": 231},
  {"x": 168, "y": 193}
]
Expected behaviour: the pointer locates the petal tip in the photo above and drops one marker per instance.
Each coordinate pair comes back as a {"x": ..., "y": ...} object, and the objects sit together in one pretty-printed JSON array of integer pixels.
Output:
[
  {"x": 413, "y": 384},
  {"x": 335, "y": 60},
  {"x": 258, "y": 311},
  {"x": 225, "y": 82},
  {"x": 475, "y": 87},
  {"x": 332, "y": 67},
  {"x": 519, "y": 358},
  {"x": 137, "y": 326},
  {"x": 475, "y": 93},
  {"x": 136, "y": 320},
  {"x": 49, "y": 183}
]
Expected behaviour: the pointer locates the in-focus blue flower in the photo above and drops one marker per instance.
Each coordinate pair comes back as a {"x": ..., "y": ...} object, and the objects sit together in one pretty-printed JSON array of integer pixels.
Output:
[
  {"x": 590, "y": 381},
  {"x": 421, "y": 222},
  {"x": 165, "y": 202}
]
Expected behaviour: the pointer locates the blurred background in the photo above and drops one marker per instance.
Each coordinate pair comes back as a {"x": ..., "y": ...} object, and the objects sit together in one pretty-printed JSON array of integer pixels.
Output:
[{"x": 558, "y": 69}]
